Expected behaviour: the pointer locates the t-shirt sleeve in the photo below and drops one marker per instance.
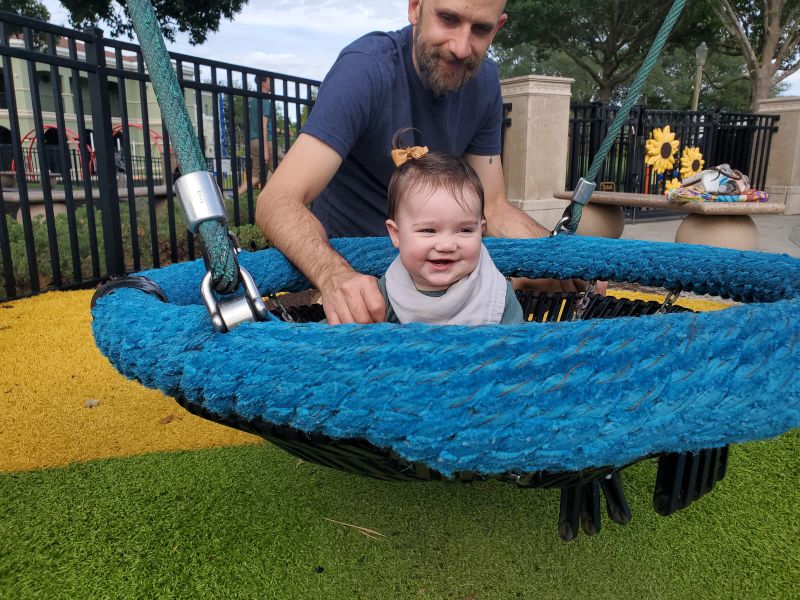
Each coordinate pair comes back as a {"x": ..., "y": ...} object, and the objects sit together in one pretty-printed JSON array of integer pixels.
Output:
[
  {"x": 391, "y": 317},
  {"x": 348, "y": 98},
  {"x": 486, "y": 141},
  {"x": 266, "y": 110},
  {"x": 512, "y": 313}
]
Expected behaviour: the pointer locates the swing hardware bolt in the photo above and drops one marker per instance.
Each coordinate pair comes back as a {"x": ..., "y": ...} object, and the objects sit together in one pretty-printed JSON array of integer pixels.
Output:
[
  {"x": 583, "y": 191},
  {"x": 581, "y": 195},
  {"x": 560, "y": 226},
  {"x": 228, "y": 314},
  {"x": 669, "y": 300}
]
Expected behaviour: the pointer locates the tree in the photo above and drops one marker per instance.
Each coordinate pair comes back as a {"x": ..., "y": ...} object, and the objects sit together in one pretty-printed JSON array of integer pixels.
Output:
[
  {"x": 26, "y": 8},
  {"x": 197, "y": 17},
  {"x": 670, "y": 85},
  {"x": 525, "y": 59},
  {"x": 768, "y": 34},
  {"x": 607, "y": 39},
  {"x": 725, "y": 84}
]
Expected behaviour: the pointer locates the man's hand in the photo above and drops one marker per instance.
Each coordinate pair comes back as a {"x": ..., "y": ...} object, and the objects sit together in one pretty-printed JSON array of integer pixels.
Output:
[{"x": 352, "y": 298}]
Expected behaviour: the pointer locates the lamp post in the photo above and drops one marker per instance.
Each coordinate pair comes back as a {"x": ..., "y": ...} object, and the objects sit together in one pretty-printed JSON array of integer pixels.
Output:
[{"x": 701, "y": 53}]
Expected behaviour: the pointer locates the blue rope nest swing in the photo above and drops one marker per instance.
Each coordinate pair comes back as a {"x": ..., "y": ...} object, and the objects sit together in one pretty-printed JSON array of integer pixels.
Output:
[
  {"x": 558, "y": 403},
  {"x": 514, "y": 402}
]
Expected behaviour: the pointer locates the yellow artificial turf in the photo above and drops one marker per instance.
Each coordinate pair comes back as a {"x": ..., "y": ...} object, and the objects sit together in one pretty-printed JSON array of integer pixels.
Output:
[
  {"x": 51, "y": 370},
  {"x": 692, "y": 303}
]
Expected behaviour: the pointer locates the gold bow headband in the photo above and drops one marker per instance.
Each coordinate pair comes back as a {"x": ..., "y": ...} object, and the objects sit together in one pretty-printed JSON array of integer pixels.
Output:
[{"x": 402, "y": 155}]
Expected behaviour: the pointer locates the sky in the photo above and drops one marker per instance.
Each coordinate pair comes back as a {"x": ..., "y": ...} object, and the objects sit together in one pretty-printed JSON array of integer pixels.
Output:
[{"x": 297, "y": 37}]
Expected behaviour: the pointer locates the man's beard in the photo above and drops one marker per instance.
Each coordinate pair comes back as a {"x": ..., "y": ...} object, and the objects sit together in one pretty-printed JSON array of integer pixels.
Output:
[{"x": 434, "y": 78}]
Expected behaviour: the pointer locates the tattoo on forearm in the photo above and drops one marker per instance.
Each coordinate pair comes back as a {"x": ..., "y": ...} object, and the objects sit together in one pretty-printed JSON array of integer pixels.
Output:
[{"x": 491, "y": 158}]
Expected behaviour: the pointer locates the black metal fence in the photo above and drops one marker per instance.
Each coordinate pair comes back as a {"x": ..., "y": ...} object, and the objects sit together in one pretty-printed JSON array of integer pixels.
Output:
[
  {"x": 87, "y": 169},
  {"x": 82, "y": 145},
  {"x": 140, "y": 170},
  {"x": 739, "y": 139}
]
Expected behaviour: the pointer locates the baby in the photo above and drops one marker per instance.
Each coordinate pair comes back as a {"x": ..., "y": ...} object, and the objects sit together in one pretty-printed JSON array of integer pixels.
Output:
[{"x": 444, "y": 273}]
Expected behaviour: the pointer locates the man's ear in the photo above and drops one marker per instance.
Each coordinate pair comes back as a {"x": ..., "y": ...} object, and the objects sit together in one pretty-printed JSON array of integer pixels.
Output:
[
  {"x": 500, "y": 23},
  {"x": 394, "y": 234},
  {"x": 413, "y": 11}
]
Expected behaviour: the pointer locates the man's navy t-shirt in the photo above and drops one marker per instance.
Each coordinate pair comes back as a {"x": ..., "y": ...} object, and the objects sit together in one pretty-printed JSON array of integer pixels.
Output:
[{"x": 371, "y": 92}]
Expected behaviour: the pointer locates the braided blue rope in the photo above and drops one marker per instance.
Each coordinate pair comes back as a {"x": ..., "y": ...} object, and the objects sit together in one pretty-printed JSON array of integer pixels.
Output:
[
  {"x": 222, "y": 260},
  {"x": 624, "y": 110},
  {"x": 491, "y": 399}
]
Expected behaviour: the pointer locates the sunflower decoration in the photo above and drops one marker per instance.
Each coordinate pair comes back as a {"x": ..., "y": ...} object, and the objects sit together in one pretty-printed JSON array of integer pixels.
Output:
[
  {"x": 691, "y": 162},
  {"x": 671, "y": 184},
  {"x": 660, "y": 150}
]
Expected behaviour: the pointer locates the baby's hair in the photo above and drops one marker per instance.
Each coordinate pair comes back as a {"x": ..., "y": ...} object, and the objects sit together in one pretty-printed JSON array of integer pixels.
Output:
[{"x": 434, "y": 170}]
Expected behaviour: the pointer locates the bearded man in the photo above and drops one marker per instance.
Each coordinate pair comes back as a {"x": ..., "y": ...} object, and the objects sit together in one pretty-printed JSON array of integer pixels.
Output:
[{"x": 432, "y": 77}]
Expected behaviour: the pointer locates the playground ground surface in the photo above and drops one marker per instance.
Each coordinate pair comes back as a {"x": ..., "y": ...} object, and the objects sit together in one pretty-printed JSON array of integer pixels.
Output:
[{"x": 108, "y": 489}]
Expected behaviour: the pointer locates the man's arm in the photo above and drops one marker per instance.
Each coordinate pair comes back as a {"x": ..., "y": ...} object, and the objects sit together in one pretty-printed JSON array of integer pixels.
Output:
[
  {"x": 502, "y": 219},
  {"x": 282, "y": 213}
]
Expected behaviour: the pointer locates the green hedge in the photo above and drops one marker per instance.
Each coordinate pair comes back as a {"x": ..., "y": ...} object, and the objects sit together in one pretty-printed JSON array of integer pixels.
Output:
[{"x": 250, "y": 238}]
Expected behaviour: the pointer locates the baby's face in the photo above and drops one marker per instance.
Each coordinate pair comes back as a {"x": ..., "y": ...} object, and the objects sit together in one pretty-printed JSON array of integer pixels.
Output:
[{"x": 438, "y": 238}]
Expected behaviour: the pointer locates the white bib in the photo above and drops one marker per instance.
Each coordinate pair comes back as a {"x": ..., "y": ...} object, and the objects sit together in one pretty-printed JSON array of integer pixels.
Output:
[{"x": 477, "y": 299}]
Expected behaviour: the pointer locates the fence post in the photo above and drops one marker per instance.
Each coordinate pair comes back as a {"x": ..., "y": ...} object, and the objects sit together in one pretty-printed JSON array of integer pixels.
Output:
[
  {"x": 536, "y": 144},
  {"x": 104, "y": 154},
  {"x": 783, "y": 151},
  {"x": 709, "y": 135},
  {"x": 634, "y": 166}
]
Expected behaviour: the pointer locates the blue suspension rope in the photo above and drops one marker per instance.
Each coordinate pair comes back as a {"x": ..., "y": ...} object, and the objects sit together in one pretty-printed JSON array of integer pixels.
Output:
[
  {"x": 221, "y": 255},
  {"x": 585, "y": 187}
]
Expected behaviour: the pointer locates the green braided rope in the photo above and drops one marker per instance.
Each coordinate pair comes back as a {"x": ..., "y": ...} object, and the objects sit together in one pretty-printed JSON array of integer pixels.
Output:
[
  {"x": 627, "y": 105},
  {"x": 222, "y": 259}
]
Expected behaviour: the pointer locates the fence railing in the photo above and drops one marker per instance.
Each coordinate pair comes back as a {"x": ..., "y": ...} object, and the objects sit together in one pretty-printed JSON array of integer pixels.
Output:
[
  {"x": 82, "y": 141},
  {"x": 741, "y": 140},
  {"x": 83, "y": 144},
  {"x": 140, "y": 169}
]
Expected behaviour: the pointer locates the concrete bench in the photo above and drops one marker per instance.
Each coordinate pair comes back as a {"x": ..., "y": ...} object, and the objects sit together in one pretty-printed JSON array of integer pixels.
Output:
[
  {"x": 9, "y": 178},
  {"x": 724, "y": 224},
  {"x": 37, "y": 207}
]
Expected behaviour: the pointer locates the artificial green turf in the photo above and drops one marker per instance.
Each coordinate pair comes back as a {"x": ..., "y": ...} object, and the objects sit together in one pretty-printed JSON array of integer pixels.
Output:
[{"x": 249, "y": 522}]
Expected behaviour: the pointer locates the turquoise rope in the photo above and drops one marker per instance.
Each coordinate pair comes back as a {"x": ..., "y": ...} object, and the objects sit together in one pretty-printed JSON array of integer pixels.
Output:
[
  {"x": 493, "y": 398},
  {"x": 222, "y": 259},
  {"x": 627, "y": 105}
]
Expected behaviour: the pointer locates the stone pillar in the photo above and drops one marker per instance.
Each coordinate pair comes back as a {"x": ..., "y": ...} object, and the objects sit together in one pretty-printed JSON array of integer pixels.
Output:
[
  {"x": 783, "y": 169},
  {"x": 536, "y": 143}
]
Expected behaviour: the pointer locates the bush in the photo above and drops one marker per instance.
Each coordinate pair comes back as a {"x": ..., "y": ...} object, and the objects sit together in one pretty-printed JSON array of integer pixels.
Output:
[{"x": 250, "y": 238}]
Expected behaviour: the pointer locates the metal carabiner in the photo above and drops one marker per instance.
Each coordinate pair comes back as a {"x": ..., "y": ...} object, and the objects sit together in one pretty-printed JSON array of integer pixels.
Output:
[
  {"x": 284, "y": 313},
  {"x": 228, "y": 314},
  {"x": 669, "y": 300},
  {"x": 580, "y": 197},
  {"x": 584, "y": 303},
  {"x": 559, "y": 228}
]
